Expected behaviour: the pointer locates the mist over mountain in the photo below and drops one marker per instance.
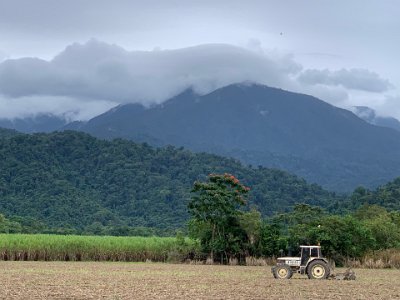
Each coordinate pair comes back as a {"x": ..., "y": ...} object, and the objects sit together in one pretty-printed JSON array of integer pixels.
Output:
[
  {"x": 369, "y": 115},
  {"x": 264, "y": 126},
  {"x": 87, "y": 79},
  {"x": 39, "y": 123}
]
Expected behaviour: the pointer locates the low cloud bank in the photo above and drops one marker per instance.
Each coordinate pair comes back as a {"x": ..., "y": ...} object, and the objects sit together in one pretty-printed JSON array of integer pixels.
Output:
[
  {"x": 87, "y": 79},
  {"x": 356, "y": 79}
]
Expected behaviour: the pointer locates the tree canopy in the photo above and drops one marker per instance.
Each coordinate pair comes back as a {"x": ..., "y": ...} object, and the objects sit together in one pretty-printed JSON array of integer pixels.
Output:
[
  {"x": 72, "y": 182},
  {"x": 214, "y": 208}
]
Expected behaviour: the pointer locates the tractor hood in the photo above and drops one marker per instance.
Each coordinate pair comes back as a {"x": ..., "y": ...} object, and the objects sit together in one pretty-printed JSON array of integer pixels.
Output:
[{"x": 289, "y": 258}]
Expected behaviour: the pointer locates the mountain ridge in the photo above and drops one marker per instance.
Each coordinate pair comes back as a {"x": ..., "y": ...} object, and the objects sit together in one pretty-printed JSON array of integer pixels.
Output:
[
  {"x": 32, "y": 124},
  {"x": 264, "y": 126}
]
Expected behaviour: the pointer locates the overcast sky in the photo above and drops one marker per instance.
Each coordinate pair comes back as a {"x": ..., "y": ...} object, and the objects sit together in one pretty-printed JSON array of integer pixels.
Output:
[{"x": 78, "y": 58}]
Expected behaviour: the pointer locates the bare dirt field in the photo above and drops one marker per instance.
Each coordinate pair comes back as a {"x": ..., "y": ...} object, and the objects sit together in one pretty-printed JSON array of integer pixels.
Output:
[{"x": 97, "y": 280}]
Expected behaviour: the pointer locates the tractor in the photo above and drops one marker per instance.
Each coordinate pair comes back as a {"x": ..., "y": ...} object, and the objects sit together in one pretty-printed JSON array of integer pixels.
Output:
[{"x": 311, "y": 263}]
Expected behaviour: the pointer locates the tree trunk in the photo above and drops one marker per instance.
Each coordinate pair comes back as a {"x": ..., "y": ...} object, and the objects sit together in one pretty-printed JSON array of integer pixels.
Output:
[{"x": 212, "y": 243}]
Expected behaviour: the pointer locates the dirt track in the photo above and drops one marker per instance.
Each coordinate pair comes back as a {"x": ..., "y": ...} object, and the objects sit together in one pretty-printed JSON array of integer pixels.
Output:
[{"x": 94, "y": 280}]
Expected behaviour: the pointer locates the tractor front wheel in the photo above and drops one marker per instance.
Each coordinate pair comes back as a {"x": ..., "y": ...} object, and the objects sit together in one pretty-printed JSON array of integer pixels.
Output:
[
  {"x": 318, "y": 269},
  {"x": 282, "y": 272}
]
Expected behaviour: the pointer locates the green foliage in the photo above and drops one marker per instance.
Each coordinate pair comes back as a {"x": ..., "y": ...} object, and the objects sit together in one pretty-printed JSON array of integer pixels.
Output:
[
  {"x": 369, "y": 228},
  {"x": 216, "y": 201},
  {"x": 70, "y": 182},
  {"x": 251, "y": 223},
  {"x": 7, "y": 133},
  {"x": 387, "y": 196},
  {"x": 383, "y": 225},
  {"x": 214, "y": 208},
  {"x": 8, "y": 226},
  {"x": 341, "y": 237},
  {"x": 271, "y": 241}
]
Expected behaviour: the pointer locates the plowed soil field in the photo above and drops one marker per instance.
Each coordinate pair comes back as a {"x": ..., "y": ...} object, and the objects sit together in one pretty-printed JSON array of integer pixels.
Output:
[{"x": 96, "y": 280}]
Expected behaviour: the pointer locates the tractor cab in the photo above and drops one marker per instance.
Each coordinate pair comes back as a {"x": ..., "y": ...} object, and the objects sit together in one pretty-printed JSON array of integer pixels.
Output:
[{"x": 308, "y": 253}]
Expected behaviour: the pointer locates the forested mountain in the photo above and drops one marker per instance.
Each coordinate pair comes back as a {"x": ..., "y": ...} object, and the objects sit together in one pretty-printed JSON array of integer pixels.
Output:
[
  {"x": 40, "y": 123},
  {"x": 72, "y": 180},
  {"x": 264, "y": 126}
]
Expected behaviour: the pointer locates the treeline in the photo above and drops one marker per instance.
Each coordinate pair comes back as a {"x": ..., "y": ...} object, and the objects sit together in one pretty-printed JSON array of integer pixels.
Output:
[
  {"x": 70, "y": 182},
  {"x": 28, "y": 225},
  {"x": 343, "y": 238},
  {"x": 387, "y": 196},
  {"x": 227, "y": 229},
  {"x": 367, "y": 236}
]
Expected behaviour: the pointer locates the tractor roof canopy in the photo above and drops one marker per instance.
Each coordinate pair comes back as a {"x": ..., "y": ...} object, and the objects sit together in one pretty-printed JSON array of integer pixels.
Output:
[{"x": 310, "y": 246}]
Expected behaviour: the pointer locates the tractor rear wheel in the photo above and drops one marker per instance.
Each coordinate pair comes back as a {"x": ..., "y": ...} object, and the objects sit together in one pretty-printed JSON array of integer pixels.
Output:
[
  {"x": 282, "y": 272},
  {"x": 318, "y": 269}
]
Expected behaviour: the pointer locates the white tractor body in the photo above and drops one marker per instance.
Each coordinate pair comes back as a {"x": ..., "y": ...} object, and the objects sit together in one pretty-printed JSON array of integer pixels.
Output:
[{"x": 311, "y": 263}]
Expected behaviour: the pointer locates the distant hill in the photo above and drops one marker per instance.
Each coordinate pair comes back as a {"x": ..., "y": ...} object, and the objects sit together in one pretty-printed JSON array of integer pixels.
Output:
[
  {"x": 40, "y": 123},
  {"x": 264, "y": 126},
  {"x": 370, "y": 116},
  {"x": 72, "y": 180}
]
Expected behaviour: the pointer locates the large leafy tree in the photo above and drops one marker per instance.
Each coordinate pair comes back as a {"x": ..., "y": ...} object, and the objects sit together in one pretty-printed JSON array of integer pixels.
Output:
[{"x": 215, "y": 212}]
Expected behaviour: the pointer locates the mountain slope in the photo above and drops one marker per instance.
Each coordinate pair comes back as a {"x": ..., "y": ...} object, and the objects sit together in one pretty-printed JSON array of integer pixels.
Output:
[
  {"x": 265, "y": 126},
  {"x": 73, "y": 180}
]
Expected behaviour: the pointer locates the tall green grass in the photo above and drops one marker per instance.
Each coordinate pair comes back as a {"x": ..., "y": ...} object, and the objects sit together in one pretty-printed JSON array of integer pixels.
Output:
[{"x": 95, "y": 248}]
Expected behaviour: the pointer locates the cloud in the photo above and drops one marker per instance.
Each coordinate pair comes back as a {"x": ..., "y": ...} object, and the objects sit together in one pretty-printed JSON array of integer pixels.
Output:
[
  {"x": 70, "y": 109},
  {"x": 356, "y": 79},
  {"x": 99, "y": 71},
  {"x": 337, "y": 96},
  {"x": 3, "y": 56},
  {"x": 389, "y": 106},
  {"x": 87, "y": 79}
]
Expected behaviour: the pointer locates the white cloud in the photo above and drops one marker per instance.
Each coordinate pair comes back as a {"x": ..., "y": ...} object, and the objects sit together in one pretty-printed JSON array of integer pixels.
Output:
[
  {"x": 389, "y": 106},
  {"x": 356, "y": 79},
  {"x": 97, "y": 70},
  {"x": 3, "y": 56},
  {"x": 71, "y": 109},
  {"x": 87, "y": 79}
]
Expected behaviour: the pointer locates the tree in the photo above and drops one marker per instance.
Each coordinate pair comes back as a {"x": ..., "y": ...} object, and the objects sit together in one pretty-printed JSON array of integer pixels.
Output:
[
  {"x": 215, "y": 212},
  {"x": 272, "y": 242},
  {"x": 382, "y": 225},
  {"x": 7, "y": 226},
  {"x": 251, "y": 223}
]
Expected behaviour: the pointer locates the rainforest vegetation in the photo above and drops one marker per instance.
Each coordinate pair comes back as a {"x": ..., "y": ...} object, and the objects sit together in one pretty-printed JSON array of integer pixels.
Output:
[{"x": 72, "y": 183}]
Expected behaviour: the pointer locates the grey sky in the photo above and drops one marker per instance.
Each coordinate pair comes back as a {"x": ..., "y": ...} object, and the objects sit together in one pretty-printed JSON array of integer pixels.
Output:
[{"x": 344, "y": 52}]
